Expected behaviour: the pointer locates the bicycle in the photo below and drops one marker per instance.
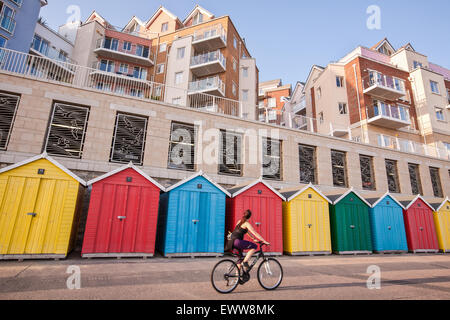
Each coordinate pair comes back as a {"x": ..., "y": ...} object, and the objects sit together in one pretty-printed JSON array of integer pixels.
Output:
[{"x": 226, "y": 275}]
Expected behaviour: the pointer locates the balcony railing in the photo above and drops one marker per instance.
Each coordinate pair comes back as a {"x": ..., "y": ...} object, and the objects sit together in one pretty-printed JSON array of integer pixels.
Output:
[
  {"x": 209, "y": 57},
  {"x": 208, "y": 84},
  {"x": 49, "y": 52},
  {"x": 119, "y": 47},
  {"x": 114, "y": 69},
  {"x": 299, "y": 106},
  {"x": 210, "y": 38},
  {"x": 391, "y": 116},
  {"x": 7, "y": 23},
  {"x": 384, "y": 86}
]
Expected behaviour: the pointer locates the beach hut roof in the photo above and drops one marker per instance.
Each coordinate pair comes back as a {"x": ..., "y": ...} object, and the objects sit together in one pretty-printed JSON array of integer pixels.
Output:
[
  {"x": 337, "y": 196},
  {"x": 438, "y": 205},
  {"x": 48, "y": 158},
  {"x": 291, "y": 194},
  {"x": 408, "y": 201},
  {"x": 374, "y": 200},
  {"x": 199, "y": 174},
  {"x": 237, "y": 190}
]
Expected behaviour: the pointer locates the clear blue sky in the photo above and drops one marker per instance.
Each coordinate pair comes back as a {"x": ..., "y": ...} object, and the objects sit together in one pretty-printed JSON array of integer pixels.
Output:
[{"x": 288, "y": 36}]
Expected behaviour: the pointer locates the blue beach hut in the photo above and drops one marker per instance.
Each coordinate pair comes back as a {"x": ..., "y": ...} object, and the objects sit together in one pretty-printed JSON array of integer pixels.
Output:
[
  {"x": 192, "y": 218},
  {"x": 387, "y": 224}
]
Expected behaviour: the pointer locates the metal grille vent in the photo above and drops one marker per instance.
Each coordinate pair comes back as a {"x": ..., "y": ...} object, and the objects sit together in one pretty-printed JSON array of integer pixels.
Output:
[
  {"x": 307, "y": 156},
  {"x": 182, "y": 147},
  {"x": 392, "y": 176},
  {"x": 67, "y": 130},
  {"x": 436, "y": 182},
  {"x": 339, "y": 169},
  {"x": 129, "y": 139},
  {"x": 367, "y": 176},
  {"x": 230, "y": 157},
  {"x": 8, "y": 108},
  {"x": 271, "y": 159},
  {"x": 414, "y": 177}
]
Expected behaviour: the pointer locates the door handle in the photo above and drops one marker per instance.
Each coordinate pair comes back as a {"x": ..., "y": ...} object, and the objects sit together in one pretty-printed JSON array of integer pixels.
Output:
[
  {"x": 352, "y": 227},
  {"x": 309, "y": 225},
  {"x": 389, "y": 228},
  {"x": 421, "y": 228},
  {"x": 32, "y": 214},
  {"x": 195, "y": 221},
  {"x": 258, "y": 223},
  {"x": 121, "y": 217}
]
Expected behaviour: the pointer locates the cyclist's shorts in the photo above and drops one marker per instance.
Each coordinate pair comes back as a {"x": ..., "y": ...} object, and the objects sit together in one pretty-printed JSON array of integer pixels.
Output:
[{"x": 244, "y": 245}]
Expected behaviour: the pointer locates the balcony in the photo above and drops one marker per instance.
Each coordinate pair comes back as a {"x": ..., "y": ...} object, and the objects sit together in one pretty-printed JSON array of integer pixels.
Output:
[
  {"x": 7, "y": 23},
  {"x": 208, "y": 63},
  {"x": 119, "y": 50},
  {"x": 383, "y": 86},
  {"x": 211, "y": 85},
  {"x": 42, "y": 48},
  {"x": 299, "y": 107},
  {"x": 389, "y": 116},
  {"x": 209, "y": 39}
]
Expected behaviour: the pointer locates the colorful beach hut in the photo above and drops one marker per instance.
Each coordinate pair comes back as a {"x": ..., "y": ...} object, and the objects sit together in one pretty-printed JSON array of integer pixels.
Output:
[
  {"x": 387, "y": 225},
  {"x": 306, "y": 221},
  {"x": 441, "y": 216},
  {"x": 123, "y": 213},
  {"x": 267, "y": 214},
  {"x": 350, "y": 225},
  {"x": 419, "y": 224},
  {"x": 192, "y": 218},
  {"x": 39, "y": 209}
]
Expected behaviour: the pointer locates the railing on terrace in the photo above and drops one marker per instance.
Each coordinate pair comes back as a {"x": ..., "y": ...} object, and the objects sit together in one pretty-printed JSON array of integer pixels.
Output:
[
  {"x": 210, "y": 32},
  {"x": 130, "y": 72},
  {"x": 45, "y": 69},
  {"x": 209, "y": 57},
  {"x": 49, "y": 52},
  {"x": 209, "y": 83},
  {"x": 120, "y": 46},
  {"x": 382, "y": 80},
  {"x": 395, "y": 112}
]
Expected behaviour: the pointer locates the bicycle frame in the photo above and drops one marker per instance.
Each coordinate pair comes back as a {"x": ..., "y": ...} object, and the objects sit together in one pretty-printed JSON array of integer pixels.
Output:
[{"x": 258, "y": 255}]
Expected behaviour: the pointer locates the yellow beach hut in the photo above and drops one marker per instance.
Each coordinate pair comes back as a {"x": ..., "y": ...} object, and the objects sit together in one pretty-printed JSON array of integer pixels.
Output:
[
  {"x": 38, "y": 209},
  {"x": 441, "y": 216}
]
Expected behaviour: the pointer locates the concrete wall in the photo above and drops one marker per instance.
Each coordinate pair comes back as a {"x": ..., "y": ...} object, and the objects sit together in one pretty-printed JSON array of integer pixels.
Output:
[
  {"x": 248, "y": 83},
  {"x": 85, "y": 44},
  {"x": 29, "y": 134}
]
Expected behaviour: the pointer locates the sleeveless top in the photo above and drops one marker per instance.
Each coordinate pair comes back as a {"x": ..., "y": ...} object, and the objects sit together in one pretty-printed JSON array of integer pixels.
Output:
[{"x": 238, "y": 233}]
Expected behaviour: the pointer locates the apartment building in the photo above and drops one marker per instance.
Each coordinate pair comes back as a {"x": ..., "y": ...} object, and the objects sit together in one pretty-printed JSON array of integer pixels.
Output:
[
  {"x": 272, "y": 96},
  {"x": 17, "y": 23},
  {"x": 393, "y": 98},
  {"x": 201, "y": 61}
]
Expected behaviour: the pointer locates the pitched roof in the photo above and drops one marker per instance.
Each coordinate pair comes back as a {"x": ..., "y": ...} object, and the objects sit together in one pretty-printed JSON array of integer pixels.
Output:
[
  {"x": 314, "y": 67},
  {"x": 199, "y": 174},
  {"x": 200, "y": 9},
  {"x": 374, "y": 200},
  {"x": 98, "y": 15},
  {"x": 336, "y": 196},
  {"x": 381, "y": 43},
  {"x": 237, "y": 190},
  {"x": 437, "y": 204},
  {"x": 156, "y": 14},
  {"x": 48, "y": 158},
  {"x": 293, "y": 193},
  {"x": 134, "y": 19},
  {"x": 129, "y": 166},
  {"x": 407, "y": 201}
]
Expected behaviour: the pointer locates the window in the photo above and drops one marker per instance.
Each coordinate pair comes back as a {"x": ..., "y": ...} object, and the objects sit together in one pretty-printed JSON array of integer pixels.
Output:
[
  {"x": 233, "y": 88},
  {"x": 436, "y": 182},
  {"x": 342, "y": 108},
  {"x": 66, "y": 131},
  {"x": 129, "y": 139},
  {"x": 162, "y": 47},
  {"x": 440, "y": 114},
  {"x": 140, "y": 73},
  {"x": 182, "y": 147},
  {"x": 245, "y": 74},
  {"x": 8, "y": 108},
  {"x": 180, "y": 52},
  {"x": 18, "y": 2},
  {"x": 271, "y": 159},
  {"x": 417, "y": 64},
  {"x": 63, "y": 55},
  {"x": 339, "y": 168},
  {"x": 160, "y": 68},
  {"x": 234, "y": 64},
  {"x": 198, "y": 18},
  {"x": 367, "y": 174},
  {"x": 7, "y": 19},
  {"x": 448, "y": 95},
  {"x": 235, "y": 42},
  {"x": 339, "y": 82},
  {"x": 123, "y": 68},
  {"x": 106, "y": 65},
  {"x": 230, "y": 153},
  {"x": 164, "y": 27},
  {"x": 178, "y": 77},
  {"x": 392, "y": 176},
  {"x": 127, "y": 46},
  {"x": 319, "y": 92},
  {"x": 2, "y": 42},
  {"x": 272, "y": 102},
  {"x": 414, "y": 177},
  {"x": 434, "y": 87},
  {"x": 244, "y": 95},
  {"x": 307, "y": 156}
]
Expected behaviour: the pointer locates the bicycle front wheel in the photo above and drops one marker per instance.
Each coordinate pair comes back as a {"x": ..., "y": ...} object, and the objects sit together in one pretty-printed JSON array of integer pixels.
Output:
[
  {"x": 225, "y": 276},
  {"x": 270, "y": 274}
]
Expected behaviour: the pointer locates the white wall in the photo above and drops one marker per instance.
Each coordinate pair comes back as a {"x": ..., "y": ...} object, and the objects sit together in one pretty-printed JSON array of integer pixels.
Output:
[{"x": 248, "y": 83}]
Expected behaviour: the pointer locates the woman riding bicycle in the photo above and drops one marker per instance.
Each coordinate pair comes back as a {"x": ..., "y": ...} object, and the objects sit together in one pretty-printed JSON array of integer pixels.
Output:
[{"x": 237, "y": 239}]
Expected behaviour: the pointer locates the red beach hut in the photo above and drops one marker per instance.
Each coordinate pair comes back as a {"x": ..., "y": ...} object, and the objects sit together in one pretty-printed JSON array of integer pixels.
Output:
[
  {"x": 419, "y": 224},
  {"x": 267, "y": 212},
  {"x": 123, "y": 214}
]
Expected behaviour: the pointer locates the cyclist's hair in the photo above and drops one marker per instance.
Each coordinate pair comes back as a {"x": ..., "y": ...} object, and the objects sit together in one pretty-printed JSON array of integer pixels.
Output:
[{"x": 247, "y": 215}]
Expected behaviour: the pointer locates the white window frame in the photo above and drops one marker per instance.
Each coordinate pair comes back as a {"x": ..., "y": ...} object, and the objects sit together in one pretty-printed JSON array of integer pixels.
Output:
[
  {"x": 342, "y": 107},
  {"x": 160, "y": 68},
  {"x": 245, "y": 95},
  {"x": 166, "y": 24},
  {"x": 124, "y": 68},
  {"x": 340, "y": 81},
  {"x": 234, "y": 88},
  {"x": 438, "y": 110},
  {"x": 437, "y": 87},
  {"x": 181, "y": 56},
  {"x": 162, "y": 47},
  {"x": 245, "y": 72},
  {"x": 178, "y": 77}
]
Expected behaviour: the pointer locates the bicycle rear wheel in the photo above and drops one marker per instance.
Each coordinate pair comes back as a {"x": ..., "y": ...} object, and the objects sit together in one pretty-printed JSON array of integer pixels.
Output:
[
  {"x": 225, "y": 276},
  {"x": 270, "y": 274}
]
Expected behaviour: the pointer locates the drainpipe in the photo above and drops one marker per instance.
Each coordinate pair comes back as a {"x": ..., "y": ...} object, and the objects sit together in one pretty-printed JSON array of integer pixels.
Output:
[{"x": 359, "y": 104}]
